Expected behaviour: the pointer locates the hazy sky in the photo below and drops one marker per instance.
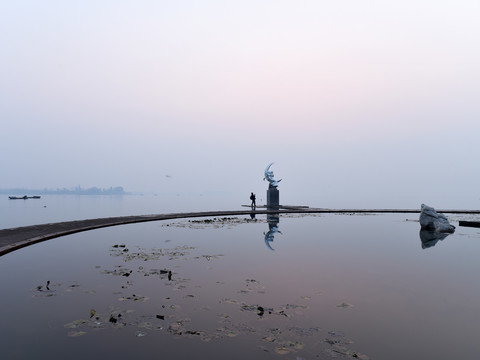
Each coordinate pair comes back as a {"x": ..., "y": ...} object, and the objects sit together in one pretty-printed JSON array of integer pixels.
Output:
[{"x": 355, "y": 101}]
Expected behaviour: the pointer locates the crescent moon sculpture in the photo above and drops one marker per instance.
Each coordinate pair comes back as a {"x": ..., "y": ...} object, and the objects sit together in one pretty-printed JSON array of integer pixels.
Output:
[{"x": 269, "y": 177}]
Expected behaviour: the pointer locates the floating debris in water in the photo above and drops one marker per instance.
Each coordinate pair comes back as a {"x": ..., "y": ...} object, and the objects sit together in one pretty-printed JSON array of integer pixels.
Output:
[
  {"x": 136, "y": 298},
  {"x": 75, "y": 324},
  {"x": 146, "y": 325},
  {"x": 76, "y": 333},
  {"x": 283, "y": 350},
  {"x": 209, "y": 257},
  {"x": 228, "y": 332},
  {"x": 294, "y": 306},
  {"x": 311, "y": 331},
  {"x": 288, "y": 347},
  {"x": 336, "y": 333},
  {"x": 280, "y": 340},
  {"x": 178, "y": 327},
  {"x": 230, "y": 301},
  {"x": 47, "y": 290},
  {"x": 276, "y": 326},
  {"x": 216, "y": 223},
  {"x": 193, "y": 332},
  {"x": 344, "y": 305}
]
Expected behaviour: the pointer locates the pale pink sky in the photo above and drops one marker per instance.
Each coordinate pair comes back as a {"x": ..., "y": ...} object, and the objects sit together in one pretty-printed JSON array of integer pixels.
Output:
[{"x": 194, "y": 88}]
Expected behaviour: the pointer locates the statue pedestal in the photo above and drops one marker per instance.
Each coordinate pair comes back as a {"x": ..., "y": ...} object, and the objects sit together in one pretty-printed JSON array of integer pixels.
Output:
[{"x": 273, "y": 198}]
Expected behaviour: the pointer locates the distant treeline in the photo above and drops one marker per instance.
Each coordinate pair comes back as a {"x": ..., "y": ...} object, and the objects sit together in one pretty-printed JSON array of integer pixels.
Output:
[{"x": 118, "y": 190}]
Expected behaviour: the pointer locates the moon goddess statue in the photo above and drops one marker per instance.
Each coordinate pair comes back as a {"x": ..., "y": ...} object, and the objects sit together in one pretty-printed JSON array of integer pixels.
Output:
[{"x": 269, "y": 177}]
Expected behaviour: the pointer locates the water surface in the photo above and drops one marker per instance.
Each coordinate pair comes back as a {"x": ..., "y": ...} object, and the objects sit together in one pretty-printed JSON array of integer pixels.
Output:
[
  {"x": 334, "y": 286},
  {"x": 57, "y": 208}
]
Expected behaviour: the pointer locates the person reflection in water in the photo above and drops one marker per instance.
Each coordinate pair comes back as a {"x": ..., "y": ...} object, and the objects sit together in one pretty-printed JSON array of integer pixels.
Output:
[{"x": 253, "y": 198}]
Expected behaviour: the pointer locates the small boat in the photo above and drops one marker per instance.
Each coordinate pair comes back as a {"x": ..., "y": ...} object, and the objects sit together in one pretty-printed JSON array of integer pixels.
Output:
[{"x": 25, "y": 197}]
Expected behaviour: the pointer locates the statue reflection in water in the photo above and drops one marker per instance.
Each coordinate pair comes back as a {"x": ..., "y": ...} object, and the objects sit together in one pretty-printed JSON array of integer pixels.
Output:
[{"x": 273, "y": 220}]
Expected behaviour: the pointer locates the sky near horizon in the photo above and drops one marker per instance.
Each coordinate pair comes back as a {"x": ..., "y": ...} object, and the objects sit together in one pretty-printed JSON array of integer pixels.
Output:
[{"x": 350, "y": 99}]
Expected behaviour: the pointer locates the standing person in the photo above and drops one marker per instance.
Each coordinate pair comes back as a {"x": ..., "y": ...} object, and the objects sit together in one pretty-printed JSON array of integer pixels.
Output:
[{"x": 252, "y": 197}]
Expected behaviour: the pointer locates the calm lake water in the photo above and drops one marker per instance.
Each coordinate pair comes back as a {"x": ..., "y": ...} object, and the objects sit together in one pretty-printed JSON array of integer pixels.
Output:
[
  {"x": 56, "y": 208},
  {"x": 324, "y": 287}
]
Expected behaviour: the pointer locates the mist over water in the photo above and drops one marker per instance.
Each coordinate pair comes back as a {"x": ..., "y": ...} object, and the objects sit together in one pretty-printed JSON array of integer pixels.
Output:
[{"x": 57, "y": 208}]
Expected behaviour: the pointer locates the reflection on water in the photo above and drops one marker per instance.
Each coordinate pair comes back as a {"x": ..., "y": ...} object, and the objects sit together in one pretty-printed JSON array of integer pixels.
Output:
[
  {"x": 430, "y": 238},
  {"x": 272, "y": 220},
  {"x": 336, "y": 286}
]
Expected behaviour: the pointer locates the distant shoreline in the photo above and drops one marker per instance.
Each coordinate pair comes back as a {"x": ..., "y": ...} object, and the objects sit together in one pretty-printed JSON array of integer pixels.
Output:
[{"x": 118, "y": 190}]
